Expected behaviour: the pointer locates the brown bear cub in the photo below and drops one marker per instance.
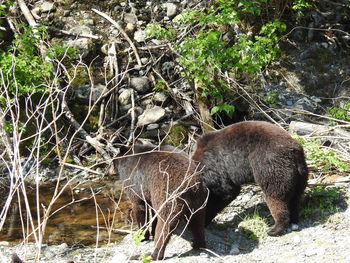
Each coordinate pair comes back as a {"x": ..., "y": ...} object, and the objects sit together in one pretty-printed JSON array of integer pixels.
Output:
[
  {"x": 253, "y": 151},
  {"x": 165, "y": 181}
]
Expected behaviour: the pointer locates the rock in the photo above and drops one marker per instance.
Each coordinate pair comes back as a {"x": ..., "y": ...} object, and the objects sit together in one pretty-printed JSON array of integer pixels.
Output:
[
  {"x": 140, "y": 36},
  {"x": 294, "y": 227},
  {"x": 140, "y": 84},
  {"x": 144, "y": 60},
  {"x": 130, "y": 18},
  {"x": 151, "y": 115},
  {"x": 234, "y": 250},
  {"x": 83, "y": 92},
  {"x": 296, "y": 239},
  {"x": 160, "y": 97},
  {"x": 311, "y": 251},
  {"x": 171, "y": 9},
  {"x": 82, "y": 45},
  {"x": 78, "y": 30},
  {"x": 124, "y": 96},
  {"x": 130, "y": 27},
  {"x": 306, "y": 104},
  {"x": 152, "y": 126},
  {"x": 46, "y": 7}
]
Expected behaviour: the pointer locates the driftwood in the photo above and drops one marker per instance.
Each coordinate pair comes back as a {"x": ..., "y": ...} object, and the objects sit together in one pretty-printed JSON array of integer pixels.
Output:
[{"x": 310, "y": 129}]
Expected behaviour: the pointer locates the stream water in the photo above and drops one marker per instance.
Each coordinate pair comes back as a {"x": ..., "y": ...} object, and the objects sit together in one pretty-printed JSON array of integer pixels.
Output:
[{"x": 81, "y": 215}]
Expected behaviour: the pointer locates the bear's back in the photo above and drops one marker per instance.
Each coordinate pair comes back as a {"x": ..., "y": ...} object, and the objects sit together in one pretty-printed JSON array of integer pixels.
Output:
[
  {"x": 164, "y": 166},
  {"x": 231, "y": 152}
]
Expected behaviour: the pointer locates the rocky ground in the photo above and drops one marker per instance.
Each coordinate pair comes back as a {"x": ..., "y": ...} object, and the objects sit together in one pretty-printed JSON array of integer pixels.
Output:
[{"x": 321, "y": 236}]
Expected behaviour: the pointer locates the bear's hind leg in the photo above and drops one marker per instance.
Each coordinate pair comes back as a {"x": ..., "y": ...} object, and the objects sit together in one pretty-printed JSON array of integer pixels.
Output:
[
  {"x": 280, "y": 213},
  {"x": 140, "y": 215},
  {"x": 196, "y": 226},
  {"x": 164, "y": 228},
  {"x": 294, "y": 208}
]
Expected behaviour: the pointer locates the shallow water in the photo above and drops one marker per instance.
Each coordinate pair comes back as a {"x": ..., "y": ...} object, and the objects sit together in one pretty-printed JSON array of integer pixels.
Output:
[{"x": 76, "y": 222}]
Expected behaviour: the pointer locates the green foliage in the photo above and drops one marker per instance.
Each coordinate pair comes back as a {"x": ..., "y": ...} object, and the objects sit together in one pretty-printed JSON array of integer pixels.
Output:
[
  {"x": 138, "y": 236},
  {"x": 321, "y": 200},
  {"x": 254, "y": 227},
  {"x": 2, "y": 10},
  {"x": 3, "y": 7},
  {"x": 299, "y": 5},
  {"x": 322, "y": 157},
  {"x": 24, "y": 70},
  {"x": 157, "y": 31},
  {"x": 161, "y": 86},
  {"x": 207, "y": 53},
  {"x": 341, "y": 113},
  {"x": 272, "y": 99},
  {"x": 146, "y": 259},
  {"x": 227, "y": 108}
]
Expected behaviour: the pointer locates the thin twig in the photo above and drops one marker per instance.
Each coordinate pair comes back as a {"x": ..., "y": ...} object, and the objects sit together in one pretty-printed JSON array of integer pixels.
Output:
[{"x": 123, "y": 33}]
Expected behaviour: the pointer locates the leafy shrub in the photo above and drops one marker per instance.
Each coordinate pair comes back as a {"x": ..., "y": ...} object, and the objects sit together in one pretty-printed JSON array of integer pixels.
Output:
[
  {"x": 23, "y": 69},
  {"x": 206, "y": 53}
]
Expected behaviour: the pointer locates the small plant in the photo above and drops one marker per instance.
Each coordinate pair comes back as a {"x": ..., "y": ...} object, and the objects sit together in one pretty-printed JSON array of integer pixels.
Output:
[
  {"x": 321, "y": 201},
  {"x": 227, "y": 108},
  {"x": 272, "y": 99},
  {"x": 146, "y": 259},
  {"x": 157, "y": 31},
  {"x": 341, "y": 113},
  {"x": 177, "y": 135},
  {"x": 254, "y": 227},
  {"x": 138, "y": 236},
  {"x": 24, "y": 70},
  {"x": 161, "y": 86},
  {"x": 299, "y": 5}
]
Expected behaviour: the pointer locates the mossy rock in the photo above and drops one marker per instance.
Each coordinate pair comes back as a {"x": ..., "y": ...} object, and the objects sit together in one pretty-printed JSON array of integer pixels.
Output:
[{"x": 177, "y": 135}]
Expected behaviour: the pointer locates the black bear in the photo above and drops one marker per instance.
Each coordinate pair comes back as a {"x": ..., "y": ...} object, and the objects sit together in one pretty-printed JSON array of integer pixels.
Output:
[
  {"x": 253, "y": 151},
  {"x": 167, "y": 181}
]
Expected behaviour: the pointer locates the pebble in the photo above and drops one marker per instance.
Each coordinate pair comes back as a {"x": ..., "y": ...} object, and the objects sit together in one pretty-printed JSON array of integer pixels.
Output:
[
  {"x": 234, "y": 250},
  {"x": 294, "y": 227}
]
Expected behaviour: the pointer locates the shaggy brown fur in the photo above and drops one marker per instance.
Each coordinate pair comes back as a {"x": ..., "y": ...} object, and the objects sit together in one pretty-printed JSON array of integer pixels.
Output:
[
  {"x": 167, "y": 181},
  {"x": 253, "y": 151}
]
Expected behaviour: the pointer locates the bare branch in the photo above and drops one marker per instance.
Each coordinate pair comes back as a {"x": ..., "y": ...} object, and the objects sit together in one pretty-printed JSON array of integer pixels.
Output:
[{"x": 123, "y": 33}]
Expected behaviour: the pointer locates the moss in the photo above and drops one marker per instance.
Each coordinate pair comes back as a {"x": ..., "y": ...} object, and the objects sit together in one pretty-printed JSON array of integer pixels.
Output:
[
  {"x": 80, "y": 111},
  {"x": 177, "y": 135},
  {"x": 80, "y": 76}
]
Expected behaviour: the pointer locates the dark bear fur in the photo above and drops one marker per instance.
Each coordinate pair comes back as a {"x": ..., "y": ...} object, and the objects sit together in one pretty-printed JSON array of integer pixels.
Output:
[
  {"x": 16, "y": 259},
  {"x": 253, "y": 151},
  {"x": 150, "y": 178}
]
